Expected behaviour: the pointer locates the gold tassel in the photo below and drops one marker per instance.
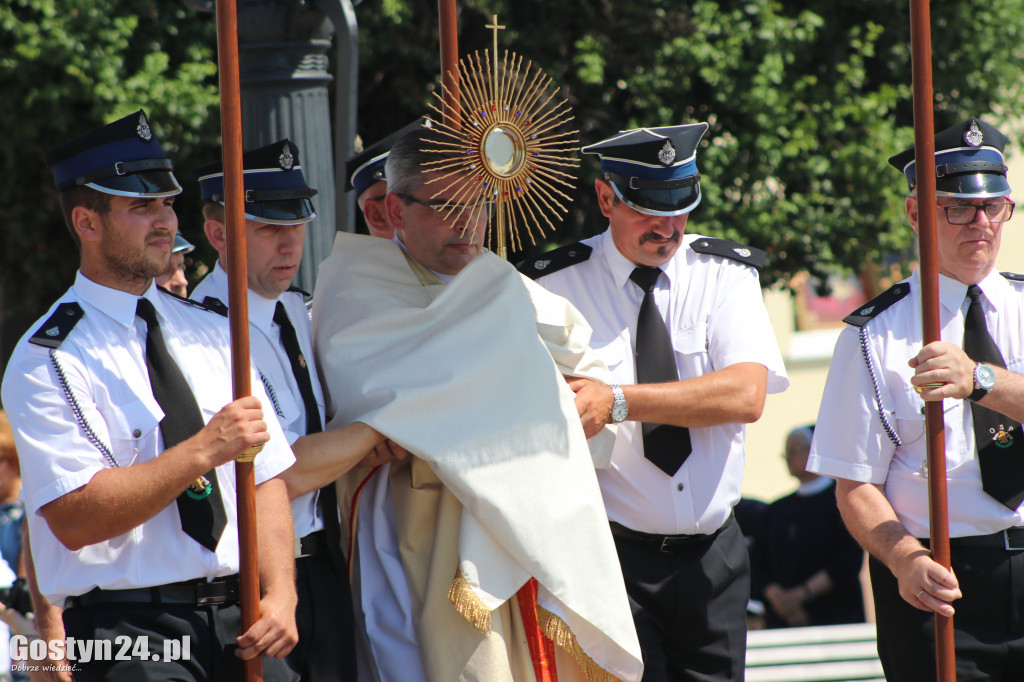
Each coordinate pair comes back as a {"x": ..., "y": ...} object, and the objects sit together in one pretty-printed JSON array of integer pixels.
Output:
[
  {"x": 468, "y": 604},
  {"x": 558, "y": 632}
]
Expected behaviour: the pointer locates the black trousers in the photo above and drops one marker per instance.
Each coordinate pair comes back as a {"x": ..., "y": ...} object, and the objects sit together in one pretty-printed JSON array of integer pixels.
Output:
[
  {"x": 326, "y": 651},
  {"x": 211, "y": 655},
  {"x": 988, "y": 627},
  {"x": 689, "y": 606}
]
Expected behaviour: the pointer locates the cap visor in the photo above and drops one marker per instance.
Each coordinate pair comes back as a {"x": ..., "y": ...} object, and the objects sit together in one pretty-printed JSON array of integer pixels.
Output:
[
  {"x": 973, "y": 185},
  {"x": 287, "y": 212},
  {"x": 662, "y": 202},
  {"x": 145, "y": 184}
]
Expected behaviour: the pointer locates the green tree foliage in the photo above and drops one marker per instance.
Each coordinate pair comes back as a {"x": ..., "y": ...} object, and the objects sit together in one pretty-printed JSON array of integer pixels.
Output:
[
  {"x": 66, "y": 67},
  {"x": 806, "y": 100}
]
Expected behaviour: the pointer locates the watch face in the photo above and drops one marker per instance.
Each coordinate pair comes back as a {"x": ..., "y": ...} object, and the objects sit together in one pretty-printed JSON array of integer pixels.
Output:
[{"x": 985, "y": 377}]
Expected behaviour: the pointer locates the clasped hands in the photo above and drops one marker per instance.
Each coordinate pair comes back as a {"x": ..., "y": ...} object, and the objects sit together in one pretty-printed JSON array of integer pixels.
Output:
[{"x": 593, "y": 402}]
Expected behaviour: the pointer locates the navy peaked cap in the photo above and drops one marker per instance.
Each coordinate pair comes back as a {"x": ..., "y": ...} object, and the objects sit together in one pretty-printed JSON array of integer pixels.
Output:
[
  {"x": 968, "y": 162},
  {"x": 654, "y": 170},
  {"x": 367, "y": 167},
  {"x": 182, "y": 244},
  {"x": 276, "y": 191},
  {"x": 122, "y": 158}
]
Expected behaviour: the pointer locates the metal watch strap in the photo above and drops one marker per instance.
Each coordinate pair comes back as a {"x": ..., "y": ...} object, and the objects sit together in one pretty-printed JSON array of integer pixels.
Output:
[{"x": 620, "y": 410}]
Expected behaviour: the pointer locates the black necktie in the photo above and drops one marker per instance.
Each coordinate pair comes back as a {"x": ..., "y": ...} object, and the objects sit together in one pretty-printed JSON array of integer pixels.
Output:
[
  {"x": 666, "y": 446},
  {"x": 200, "y": 506},
  {"x": 300, "y": 369},
  {"x": 998, "y": 438},
  {"x": 328, "y": 499}
]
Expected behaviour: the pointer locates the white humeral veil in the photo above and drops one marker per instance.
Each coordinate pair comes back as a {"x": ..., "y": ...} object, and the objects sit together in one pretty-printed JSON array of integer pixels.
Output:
[{"x": 467, "y": 376}]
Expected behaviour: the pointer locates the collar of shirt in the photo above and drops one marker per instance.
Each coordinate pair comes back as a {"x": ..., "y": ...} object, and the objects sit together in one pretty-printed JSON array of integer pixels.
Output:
[
  {"x": 994, "y": 287},
  {"x": 116, "y": 304},
  {"x": 620, "y": 266},
  {"x": 261, "y": 310}
]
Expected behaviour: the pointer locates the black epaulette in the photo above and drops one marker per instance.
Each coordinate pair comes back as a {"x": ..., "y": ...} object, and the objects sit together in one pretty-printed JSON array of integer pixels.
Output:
[
  {"x": 297, "y": 290},
  {"x": 884, "y": 300},
  {"x": 1013, "y": 276},
  {"x": 216, "y": 305},
  {"x": 555, "y": 260},
  {"x": 731, "y": 250},
  {"x": 53, "y": 332},
  {"x": 190, "y": 301}
]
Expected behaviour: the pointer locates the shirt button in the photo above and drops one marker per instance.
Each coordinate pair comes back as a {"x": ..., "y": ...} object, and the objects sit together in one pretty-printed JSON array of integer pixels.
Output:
[
  {"x": 136, "y": 433},
  {"x": 679, "y": 487}
]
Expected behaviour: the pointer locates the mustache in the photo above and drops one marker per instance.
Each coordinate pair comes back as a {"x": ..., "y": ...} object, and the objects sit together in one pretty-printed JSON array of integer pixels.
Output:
[{"x": 652, "y": 237}]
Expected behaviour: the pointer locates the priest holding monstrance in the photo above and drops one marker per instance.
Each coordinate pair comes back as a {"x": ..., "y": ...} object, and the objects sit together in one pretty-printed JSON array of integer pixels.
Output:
[{"x": 486, "y": 555}]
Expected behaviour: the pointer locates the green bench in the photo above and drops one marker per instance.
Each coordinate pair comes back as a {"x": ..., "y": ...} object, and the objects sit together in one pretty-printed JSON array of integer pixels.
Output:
[{"x": 828, "y": 653}]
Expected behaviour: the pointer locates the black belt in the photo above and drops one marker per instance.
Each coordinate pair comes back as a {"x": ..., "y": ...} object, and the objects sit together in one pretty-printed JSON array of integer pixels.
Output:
[
  {"x": 666, "y": 543},
  {"x": 197, "y": 592},
  {"x": 314, "y": 543},
  {"x": 1009, "y": 539}
]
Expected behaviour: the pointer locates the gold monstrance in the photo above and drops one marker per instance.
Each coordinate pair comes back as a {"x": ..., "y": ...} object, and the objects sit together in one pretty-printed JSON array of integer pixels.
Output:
[{"x": 503, "y": 155}]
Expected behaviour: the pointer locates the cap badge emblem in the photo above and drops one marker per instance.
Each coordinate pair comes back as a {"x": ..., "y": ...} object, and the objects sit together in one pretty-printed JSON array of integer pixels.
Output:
[
  {"x": 541, "y": 264},
  {"x": 143, "y": 130},
  {"x": 743, "y": 253},
  {"x": 973, "y": 135},
  {"x": 667, "y": 154},
  {"x": 286, "y": 159}
]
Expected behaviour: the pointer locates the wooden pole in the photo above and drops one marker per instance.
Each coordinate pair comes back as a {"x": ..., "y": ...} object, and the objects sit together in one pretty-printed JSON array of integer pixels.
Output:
[
  {"x": 449, "y": 36},
  {"x": 238, "y": 308},
  {"x": 924, "y": 146}
]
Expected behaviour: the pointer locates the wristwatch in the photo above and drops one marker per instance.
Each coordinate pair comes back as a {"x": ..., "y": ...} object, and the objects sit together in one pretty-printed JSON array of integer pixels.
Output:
[
  {"x": 620, "y": 410},
  {"x": 984, "y": 380}
]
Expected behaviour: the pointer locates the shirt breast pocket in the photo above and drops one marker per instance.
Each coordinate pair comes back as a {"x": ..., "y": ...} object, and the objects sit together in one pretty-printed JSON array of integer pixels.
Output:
[
  {"x": 910, "y": 427},
  {"x": 128, "y": 424},
  {"x": 909, "y": 415},
  {"x": 691, "y": 347}
]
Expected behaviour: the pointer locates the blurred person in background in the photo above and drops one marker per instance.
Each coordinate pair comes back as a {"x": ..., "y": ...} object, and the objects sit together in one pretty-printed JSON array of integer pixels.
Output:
[{"x": 808, "y": 562}]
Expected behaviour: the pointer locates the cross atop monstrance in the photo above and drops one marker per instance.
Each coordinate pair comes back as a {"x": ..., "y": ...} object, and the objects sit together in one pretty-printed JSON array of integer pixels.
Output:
[{"x": 503, "y": 155}]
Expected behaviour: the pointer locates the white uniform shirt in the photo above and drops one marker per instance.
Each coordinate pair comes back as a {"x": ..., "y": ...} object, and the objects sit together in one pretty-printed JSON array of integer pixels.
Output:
[
  {"x": 103, "y": 363},
  {"x": 271, "y": 360},
  {"x": 717, "y": 318},
  {"x": 850, "y": 441}
]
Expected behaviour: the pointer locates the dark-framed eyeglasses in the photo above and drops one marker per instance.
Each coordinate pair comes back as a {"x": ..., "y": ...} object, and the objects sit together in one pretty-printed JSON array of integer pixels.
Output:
[
  {"x": 475, "y": 209},
  {"x": 964, "y": 214}
]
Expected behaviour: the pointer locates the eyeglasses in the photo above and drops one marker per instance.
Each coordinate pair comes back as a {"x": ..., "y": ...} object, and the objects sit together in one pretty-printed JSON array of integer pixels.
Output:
[
  {"x": 964, "y": 214},
  {"x": 473, "y": 210}
]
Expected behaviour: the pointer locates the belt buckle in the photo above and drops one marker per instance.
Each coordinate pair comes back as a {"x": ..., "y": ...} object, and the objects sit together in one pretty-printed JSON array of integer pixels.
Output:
[
  {"x": 298, "y": 548},
  {"x": 665, "y": 545},
  {"x": 205, "y": 600},
  {"x": 1006, "y": 541}
]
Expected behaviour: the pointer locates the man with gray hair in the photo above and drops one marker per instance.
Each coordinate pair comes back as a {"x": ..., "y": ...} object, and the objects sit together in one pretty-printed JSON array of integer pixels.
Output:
[
  {"x": 457, "y": 569},
  {"x": 870, "y": 434}
]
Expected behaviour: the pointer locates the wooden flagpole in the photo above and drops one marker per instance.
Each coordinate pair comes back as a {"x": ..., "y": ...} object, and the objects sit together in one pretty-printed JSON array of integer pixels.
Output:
[
  {"x": 449, "y": 38},
  {"x": 238, "y": 308},
  {"x": 924, "y": 149}
]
